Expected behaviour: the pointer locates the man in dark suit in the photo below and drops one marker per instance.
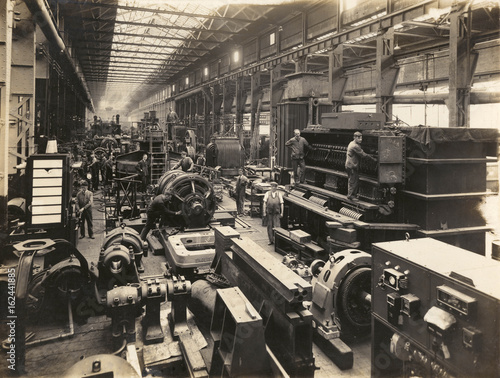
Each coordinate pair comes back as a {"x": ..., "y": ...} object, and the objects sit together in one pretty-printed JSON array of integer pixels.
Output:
[{"x": 143, "y": 168}]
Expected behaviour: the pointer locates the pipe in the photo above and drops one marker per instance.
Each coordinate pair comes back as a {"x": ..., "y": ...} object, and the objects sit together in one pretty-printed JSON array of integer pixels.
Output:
[
  {"x": 429, "y": 98},
  {"x": 61, "y": 336},
  {"x": 44, "y": 20}
]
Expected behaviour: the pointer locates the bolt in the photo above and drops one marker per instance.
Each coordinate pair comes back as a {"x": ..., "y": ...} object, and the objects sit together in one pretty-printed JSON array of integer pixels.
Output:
[
  {"x": 150, "y": 290},
  {"x": 130, "y": 298}
]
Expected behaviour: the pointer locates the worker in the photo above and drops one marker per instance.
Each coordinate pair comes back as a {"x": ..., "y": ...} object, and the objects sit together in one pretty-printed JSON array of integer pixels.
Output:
[
  {"x": 158, "y": 208},
  {"x": 241, "y": 186},
  {"x": 298, "y": 144},
  {"x": 212, "y": 154},
  {"x": 94, "y": 172},
  {"x": 186, "y": 163},
  {"x": 84, "y": 202},
  {"x": 172, "y": 117},
  {"x": 108, "y": 170},
  {"x": 353, "y": 158},
  {"x": 143, "y": 168},
  {"x": 272, "y": 210}
]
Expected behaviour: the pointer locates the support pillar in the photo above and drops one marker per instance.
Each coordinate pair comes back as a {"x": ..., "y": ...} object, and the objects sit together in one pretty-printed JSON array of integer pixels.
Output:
[
  {"x": 6, "y": 9},
  {"x": 276, "y": 93},
  {"x": 462, "y": 67},
  {"x": 22, "y": 100},
  {"x": 387, "y": 73},
  {"x": 255, "y": 105},
  {"x": 337, "y": 78}
]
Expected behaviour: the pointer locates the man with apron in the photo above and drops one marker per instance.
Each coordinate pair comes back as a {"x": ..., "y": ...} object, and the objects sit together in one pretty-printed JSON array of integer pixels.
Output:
[{"x": 273, "y": 210}]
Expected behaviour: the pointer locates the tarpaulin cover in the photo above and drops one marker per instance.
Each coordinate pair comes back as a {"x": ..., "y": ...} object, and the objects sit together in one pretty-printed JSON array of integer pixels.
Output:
[{"x": 427, "y": 135}]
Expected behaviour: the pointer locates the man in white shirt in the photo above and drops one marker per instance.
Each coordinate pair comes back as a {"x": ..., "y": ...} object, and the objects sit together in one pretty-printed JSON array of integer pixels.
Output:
[{"x": 272, "y": 210}]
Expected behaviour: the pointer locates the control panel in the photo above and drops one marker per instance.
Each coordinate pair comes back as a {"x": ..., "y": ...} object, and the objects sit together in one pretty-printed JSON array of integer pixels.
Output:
[{"x": 435, "y": 310}]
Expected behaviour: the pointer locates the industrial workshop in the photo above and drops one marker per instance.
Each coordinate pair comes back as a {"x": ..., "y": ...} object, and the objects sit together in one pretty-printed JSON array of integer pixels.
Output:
[{"x": 249, "y": 188}]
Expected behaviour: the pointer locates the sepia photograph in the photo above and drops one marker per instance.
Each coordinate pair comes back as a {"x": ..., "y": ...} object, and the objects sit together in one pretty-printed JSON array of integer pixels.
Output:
[{"x": 249, "y": 188}]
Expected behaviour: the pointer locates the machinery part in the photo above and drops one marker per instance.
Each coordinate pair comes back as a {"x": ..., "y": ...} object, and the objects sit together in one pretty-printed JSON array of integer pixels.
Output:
[
  {"x": 316, "y": 267},
  {"x": 350, "y": 213},
  {"x": 116, "y": 267},
  {"x": 202, "y": 301},
  {"x": 189, "y": 253},
  {"x": 439, "y": 299},
  {"x": 67, "y": 278},
  {"x": 276, "y": 291},
  {"x": 16, "y": 209},
  {"x": 123, "y": 305},
  {"x": 109, "y": 143},
  {"x": 297, "y": 266},
  {"x": 178, "y": 292},
  {"x": 153, "y": 293},
  {"x": 235, "y": 318},
  {"x": 53, "y": 251},
  {"x": 129, "y": 238},
  {"x": 341, "y": 297},
  {"x": 354, "y": 305},
  {"x": 103, "y": 365},
  {"x": 192, "y": 194},
  {"x": 116, "y": 259}
]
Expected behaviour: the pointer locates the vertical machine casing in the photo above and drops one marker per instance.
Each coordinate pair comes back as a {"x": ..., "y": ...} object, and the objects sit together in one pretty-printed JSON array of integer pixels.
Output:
[{"x": 435, "y": 310}]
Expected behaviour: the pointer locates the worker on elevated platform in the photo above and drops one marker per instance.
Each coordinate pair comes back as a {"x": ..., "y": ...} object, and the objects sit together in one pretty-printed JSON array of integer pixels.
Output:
[
  {"x": 186, "y": 163},
  {"x": 353, "y": 157},
  {"x": 158, "y": 208},
  {"x": 298, "y": 145},
  {"x": 272, "y": 210},
  {"x": 172, "y": 117}
]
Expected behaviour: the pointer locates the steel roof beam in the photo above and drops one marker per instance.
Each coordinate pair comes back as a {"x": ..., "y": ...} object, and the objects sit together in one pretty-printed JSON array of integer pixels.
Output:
[
  {"x": 159, "y": 63},
  {"x": 159, "y": 26},
  {"x": 81, "y": 40},
  {"x": 135, "y": 51},
  {"x": 154, "y": 36},
  {"x": 166, "y": 11},
  {"x": 119, "y": 59}
]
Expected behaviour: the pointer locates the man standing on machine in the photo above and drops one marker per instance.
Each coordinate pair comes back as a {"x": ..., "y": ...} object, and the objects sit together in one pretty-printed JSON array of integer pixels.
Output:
[
  {"x": 353, "y": 157},
  {"x": 298, "y": 145}
]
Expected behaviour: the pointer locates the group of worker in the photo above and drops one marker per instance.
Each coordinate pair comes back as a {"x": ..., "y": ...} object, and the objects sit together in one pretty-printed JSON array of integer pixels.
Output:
[{"x": 272, "y": 203}]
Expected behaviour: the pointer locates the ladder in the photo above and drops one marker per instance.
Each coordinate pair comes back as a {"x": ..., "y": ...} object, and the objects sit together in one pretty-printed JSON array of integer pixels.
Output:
[{"x": 158, "y": 151}]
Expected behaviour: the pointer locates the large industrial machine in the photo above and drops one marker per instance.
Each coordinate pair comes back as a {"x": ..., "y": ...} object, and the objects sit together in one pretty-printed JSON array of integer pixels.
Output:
[
  {"x": 435, "y": 311},
  {"x": 427, "y": 181}
]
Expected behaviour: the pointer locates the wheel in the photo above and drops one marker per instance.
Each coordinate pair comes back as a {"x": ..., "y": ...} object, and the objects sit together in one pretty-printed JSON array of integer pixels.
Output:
[{"x": 352, "y": 307}]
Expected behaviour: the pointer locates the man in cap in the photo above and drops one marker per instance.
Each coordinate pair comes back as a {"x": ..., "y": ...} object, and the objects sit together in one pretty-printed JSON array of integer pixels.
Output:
[
  {"x": 353, "y": 157},
  {"x": 84, "y": 202},
  {"x": 158, "y": 208},
  {"x": 298, "y": 144},
  {"x": 186, "y": 163},
  {"x": 241, "y": 185},
  {"x": 272, "y": 210}
]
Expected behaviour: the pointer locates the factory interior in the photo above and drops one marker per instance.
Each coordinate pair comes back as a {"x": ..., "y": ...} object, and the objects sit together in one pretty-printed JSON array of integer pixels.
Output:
[{"x": 249, "y": 188}]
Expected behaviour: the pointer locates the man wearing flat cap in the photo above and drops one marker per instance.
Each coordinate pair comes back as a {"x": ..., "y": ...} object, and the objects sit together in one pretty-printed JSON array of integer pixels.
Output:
[
  {"x": 84, "y": 202},
  {"x": 272, "y": 210},
  {"x": 158, "y": 208},
  {"x": 354, "y": 155}
]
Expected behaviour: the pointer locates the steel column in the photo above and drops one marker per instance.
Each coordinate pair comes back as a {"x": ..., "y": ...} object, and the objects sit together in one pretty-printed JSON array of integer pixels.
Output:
[
  {"x": 387, "y": 73},
  {"x": 462, "y": 66},
  {"x": 22, "y": 104},
  {"x": 337, "y": 78},
  {"x": 6, "y": 9}
]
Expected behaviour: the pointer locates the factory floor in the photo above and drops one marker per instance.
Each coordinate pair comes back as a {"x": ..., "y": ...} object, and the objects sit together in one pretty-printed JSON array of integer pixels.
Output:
[{"x": 54, "y": 357}]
